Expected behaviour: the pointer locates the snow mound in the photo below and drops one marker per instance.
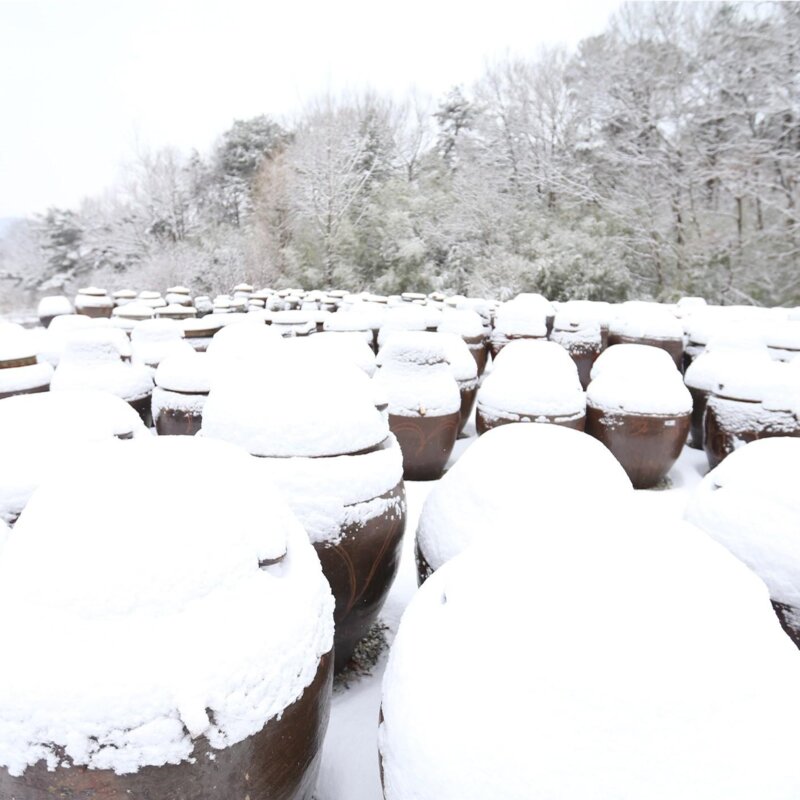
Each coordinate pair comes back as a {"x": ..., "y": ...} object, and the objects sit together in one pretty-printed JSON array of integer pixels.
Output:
[
  {"x": 153, "y": 340},
  {"x": 522, "y": 473},
  {"x": 533, "y": 378},
  {"x": 458, "y": 356},
  {"x": 463, "y": 322},
  {"x": 621, "y": 660},
  {"x": 717, "y": 362},
  {"x": 525, "y": 315},
  {"x": 645, "y": 320},
  {"x": 405, "y": 317},
  {"x": 653, "y": 392},
  {"x": 633, "y": 359},
  {"x": 53, "y": 305},
  {"x": 92, "y": 359},
  {"x": 349, "y": 347},
  {"x": 415, "y": 376},
  {"x": 157, "y": 607},
  {"x": 294, "y": 406},
  {"x": 185, "y": 372},
  {"x": 42, "y": 432},
  {"x": 750, "y": 504}
]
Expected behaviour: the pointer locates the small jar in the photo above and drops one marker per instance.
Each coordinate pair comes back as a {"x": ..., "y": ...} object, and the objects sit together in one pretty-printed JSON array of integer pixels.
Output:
[
  {"x": 424, "y": 401},
  {"x": 182, "y": 386},
  {"x": 178, "y": 295},
  {"x": 123, "y": 296},
  {"x": 51, "y": 307},
  {"x": 21, "y": 372},
  {"x": 93, "y": 302},
  {"x": 525, "y": 317},
  {"x": 582, "y": 339},
  {"x": 129, "y": 315},
  {"x": 152, "y": 299},
  {"x": 199, "y": 332}
]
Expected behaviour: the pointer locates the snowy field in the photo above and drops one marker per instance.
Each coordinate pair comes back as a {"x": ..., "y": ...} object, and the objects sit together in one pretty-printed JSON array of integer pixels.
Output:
[{"x": 350, "y": 769}]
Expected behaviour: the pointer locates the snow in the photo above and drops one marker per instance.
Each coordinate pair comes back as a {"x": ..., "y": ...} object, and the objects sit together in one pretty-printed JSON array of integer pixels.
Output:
[
  {"x": 522, "y": 318},
  {"x": 612, "y": 659},
  {"x": 713, "y": 365},
  {"x": 405, "y": 317},
  {"x": 652, "y": 392},
  {"x": 41, "y": 433},
  {"x": 346, "y": 489},
  {"x": 415, "y": 376},
  {"x": 645, "y": 320},
  {"x": 754, "y": 380},
  {"x": 532, "y": 378},
  {"x": 464, "y": 322},
  {"x": 633, "y": 359},
  {"x": 298, "y": 407},
  {"x": 153, "y": 340},
  {"x": 785, "y": 336},
  {"x": 461, "y": 362},
  {"x": 54, "y": 305},
  {"x": 499, "y": 475},
  {"x": 53, "y": 339},
  {"x": 92, "y": 360},
  {"x": 15, "y": 343},
  {"x": 573, "y": 331},
  {"x": 750, "y": 505},
  {"x": 134, "y": 311},
  {"x": 349, "y": 347},
  {"x": 92, "y": 297},
  {"x": 185, "y": 372},
  {"x": 157, "y": 610},
  {"x": 23, "y": 379}
]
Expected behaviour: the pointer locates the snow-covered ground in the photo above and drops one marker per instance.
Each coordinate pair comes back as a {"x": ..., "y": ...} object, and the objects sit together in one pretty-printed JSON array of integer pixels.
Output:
[{"x": 350, "y": 769}]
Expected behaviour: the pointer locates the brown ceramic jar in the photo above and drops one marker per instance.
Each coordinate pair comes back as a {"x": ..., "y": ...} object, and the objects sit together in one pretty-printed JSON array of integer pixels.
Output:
[
  {"x": 93, "y": 302},
  {"x": 21, "y": 372},
  {"x": 182, "y": 386}
]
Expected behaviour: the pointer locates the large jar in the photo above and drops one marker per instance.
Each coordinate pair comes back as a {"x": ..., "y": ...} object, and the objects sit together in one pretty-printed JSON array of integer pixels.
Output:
[
  {"x": 152, "y": 299},
  {"x": 746, "y": 405},
  {"x": 42, "y": 432},
  {"x": 128, "y": 315},
  {"x": 21, "y": 372},
  {"x": 178, "y": 295},
  {"x": 703, "y": 374},
  {"x": 144, "y": 707},
  {"x": 93, "y": 359},
  {"x": 641, "y": 411},
  {"x": 531, "y": 381},
  {"x": 51, "y": 307},
  {"x": 199, "y": 332},
  {"x": 183, "y": 382},
  {"x": 93, "y": 302},
  {"x": 465, "y": 371},
  {"x": 750, "y": 504},
  {"x": 154, "y": 340},
  {"x": 648, "y": 324},
  {"x": 468, "y": 325},
  {"x": 524, "y": 317},
  {"x": 580, "y": 333},
  {"x": 424, "y": 401},
  {"x": 314, "y": 426}
]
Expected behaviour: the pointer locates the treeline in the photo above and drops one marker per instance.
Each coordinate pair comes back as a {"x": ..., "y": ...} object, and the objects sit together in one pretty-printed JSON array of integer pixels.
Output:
[{"x": 660, "y": 159}]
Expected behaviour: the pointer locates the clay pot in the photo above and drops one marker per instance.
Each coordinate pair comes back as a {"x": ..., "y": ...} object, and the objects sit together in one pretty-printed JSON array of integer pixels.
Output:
[
  {"x": 51, "y": 307},
  {"x": 426, "y": 442},
  {"x": 731, "y": 423},
  {"x": 361, "y": 567},
  {"x": 645, "y": 445},
  {"x": 93, "y": 302},
  {"x": 24, "y": 375},
  {"x": 468, "y": 391},
  {"x": 170, "y": 418},
  {"x": 280, "y": 762},
  {"x": 673, "y": 346},
  {"x": 199, "y": 334},
  {"x": 583, "y": 341},
  {"x": 699, "y": 401}
]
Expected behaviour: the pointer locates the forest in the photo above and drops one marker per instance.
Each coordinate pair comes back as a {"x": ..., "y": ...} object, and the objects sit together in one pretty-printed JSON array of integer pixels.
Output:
[{"x": 657, "y": 160}]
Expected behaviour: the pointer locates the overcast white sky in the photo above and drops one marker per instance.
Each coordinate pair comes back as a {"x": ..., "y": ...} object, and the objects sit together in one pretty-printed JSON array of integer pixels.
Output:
[{"x": 82, "y": 81}]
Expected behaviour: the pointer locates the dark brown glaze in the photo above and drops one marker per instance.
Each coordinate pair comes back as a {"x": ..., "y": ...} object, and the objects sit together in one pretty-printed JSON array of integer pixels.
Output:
[
  {"x": 360, "y": 569},
  {"x": 96, "y": 312},
  {"x": 788, "y": 617},
  {"x": 172, "y": 422},
  {"x": 424, "y": 569},
  {"x": 673, "y": 346},
  {"x": 645, "y": 445},
  {"x": 699, "y": 401},
  {"x": 34, "y": 390},
  {"x": 46, "y": 319},
  {"x": 467, "y": 404},
  {"x": 426, "y": 442},
  {"x": 484, "y": 423},
  {"x": 719, "y": 442},
  {"x": 280, "y": 762},
  {"x": 477, "y": 347},
  {"x": 584, "y": 355},
  {"x": 143, "y": 407}
]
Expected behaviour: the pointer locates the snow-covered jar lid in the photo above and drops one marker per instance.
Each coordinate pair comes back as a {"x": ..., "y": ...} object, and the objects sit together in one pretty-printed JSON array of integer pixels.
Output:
[
  {"x": 124, "y": 294},
  {"x": 92, "y": 291},
  {"x": 415, "y": 376},
  {"x": 138, "y": 596},
  {"x": 717, "y": 363},
  {"x": 350, "y": 347},
  {"x": 244, "y": 346},
  {"x": 178, "y": 290},
  {"x": 244, "y": 288},
  {"x": 202, "y": 328},
  {"x": 500, "y": 473},
  {"x": 17, "y": 346},
  {"x": 574, "y": 329},
  {"x": 153, "y": 340},
  {"x": 92, "y": 359},
  {"x": 20, "y": 369},
  {"x": 135, "y": 311},
  {"x": 203, "y": 304},
  {"x": 54, "y": 305},
  {"x": 521, "y": 317},
  {"x": 658, "y": 392},
  {"x": 53, "y": 340},
  {"x": 303, "y": 405},
  {"x": 463, "y": 322},
  {"x": 533, "y": 378},
  {"x": 92, "y": 297},
  {"x": 188, "y": 372},
  {"x": 42, "y": 432},
  {"x": 176, "y": 311},
  {"x": 458, "y": 356},
  {"x": 642, "y": 320},
  {"x": 633, "y": 359},
  {"x": 348, "y": 321},
  {"x": 687, "y": 659},
  {"x": 152, "y": 299},
  {"x": 750, "y": 505},
  {"x": 756, "y": 381},
  {"x": 403, "y": 317},
  {"x": 784, "y": 336}
]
